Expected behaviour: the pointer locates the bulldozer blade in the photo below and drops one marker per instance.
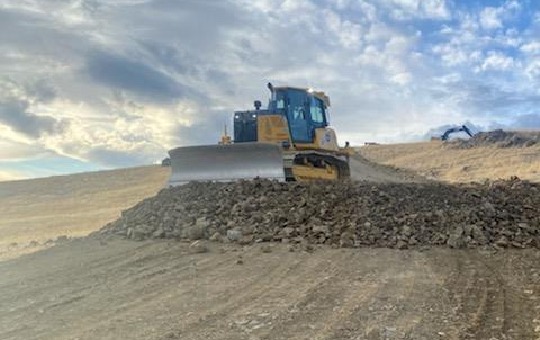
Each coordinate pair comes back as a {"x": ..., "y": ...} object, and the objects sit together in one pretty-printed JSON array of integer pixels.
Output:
[{"x": 227, "y": 162}]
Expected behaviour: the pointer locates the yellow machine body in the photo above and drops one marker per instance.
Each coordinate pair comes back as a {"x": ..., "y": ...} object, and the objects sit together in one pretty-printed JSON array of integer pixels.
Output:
[
  {"x": 324, "y": 159},
  {"x": 289, "y": 140}
]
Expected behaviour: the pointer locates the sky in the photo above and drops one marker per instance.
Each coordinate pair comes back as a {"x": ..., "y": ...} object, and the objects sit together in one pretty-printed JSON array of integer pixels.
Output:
[{"x": 100, "y": 84}]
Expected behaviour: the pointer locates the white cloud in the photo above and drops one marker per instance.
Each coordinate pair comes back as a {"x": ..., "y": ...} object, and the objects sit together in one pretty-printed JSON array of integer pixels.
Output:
[
  {"x": 531, "y": 48},
  {"x": 297, "y": 5},
  {"x": 493, "y": 17},
  {"x": 489, "y": 18},
  {"x": 399, "y": 45},
  {"x": 348, "y": 34},
  {"x": 402, "y": 78},
  {"x": 408, "y": 9},
  {"x": 436, "y": 9},
  {"x": 450, "y": 54},
  {"x": 131, "y": 127},
  {"x": 498, "y": 62},
  {"x": 532, "y": 70}
]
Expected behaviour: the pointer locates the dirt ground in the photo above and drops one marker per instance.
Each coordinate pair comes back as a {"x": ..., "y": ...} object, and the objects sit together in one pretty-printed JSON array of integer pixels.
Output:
[
  {"x": 35, "y": 212},
  {"x": 364, "y": 170},
  {"x": 439, "y": 161},
  {"x": 87, "y": 288},
  {"x": 158, "y": 290}
]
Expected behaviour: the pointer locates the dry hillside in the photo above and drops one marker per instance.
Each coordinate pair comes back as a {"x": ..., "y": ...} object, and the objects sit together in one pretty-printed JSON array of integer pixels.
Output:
[
  {"x": 106, "y": 287},
  {"x": 437, "y": 161},
  {"x": 41, "y": 209}
]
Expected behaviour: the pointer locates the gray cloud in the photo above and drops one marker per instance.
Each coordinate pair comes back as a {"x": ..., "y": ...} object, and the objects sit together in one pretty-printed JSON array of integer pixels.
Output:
[
  {"x": 477, "y": 97},
  {"x": 124, "y": 73},
  {"x": 114, "y": 158},
  {"x": 191, "y": 23},
  {"x": 494, "y": 97},
  {"x": 208, "y": 131},
  {"x": 527, "y": 121},
  {"x": 15, "y": 113},
  {"x": 41, "y": 90}
]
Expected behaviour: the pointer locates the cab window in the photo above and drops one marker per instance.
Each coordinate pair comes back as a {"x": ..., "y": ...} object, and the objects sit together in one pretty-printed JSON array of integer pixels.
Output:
[{"x": 316, "y": 110}]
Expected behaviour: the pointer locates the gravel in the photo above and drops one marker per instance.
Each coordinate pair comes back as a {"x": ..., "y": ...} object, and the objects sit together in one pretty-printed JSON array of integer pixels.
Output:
[
  {"x": 500, "y": 214},
  {"x": 499, "y": 138}
]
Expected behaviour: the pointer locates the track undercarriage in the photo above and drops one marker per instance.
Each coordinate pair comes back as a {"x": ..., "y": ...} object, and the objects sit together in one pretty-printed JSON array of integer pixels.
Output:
[{"x": 309, "y": 165}]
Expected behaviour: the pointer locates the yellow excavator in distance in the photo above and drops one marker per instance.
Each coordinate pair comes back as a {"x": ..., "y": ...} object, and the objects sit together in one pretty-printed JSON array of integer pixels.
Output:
[{"x": 289, "y": 140}]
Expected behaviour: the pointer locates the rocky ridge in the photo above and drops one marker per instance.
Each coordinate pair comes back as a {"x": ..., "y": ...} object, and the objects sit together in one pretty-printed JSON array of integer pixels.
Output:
[
  {"x": 499, "y": 138},
  {"x": 346, "y": 214}
]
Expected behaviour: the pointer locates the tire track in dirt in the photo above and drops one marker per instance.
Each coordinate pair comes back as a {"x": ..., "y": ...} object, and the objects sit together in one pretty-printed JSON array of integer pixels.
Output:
[
  {"x": 259, "y": 292},
  {"x": 484, "y": 304},
  {"x": 511, "y": 308},
  {"x": 157, "y": 290},
  {"x": 335, "y": 297},
  {"x": 396, "y": 308}
]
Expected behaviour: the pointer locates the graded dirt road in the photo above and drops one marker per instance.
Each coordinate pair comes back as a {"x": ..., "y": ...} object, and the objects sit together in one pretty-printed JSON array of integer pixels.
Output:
[
  {"x": 364, "y": 170},
  {"x": 91, "y": 289},
  {"x": 158, "y": 290}
]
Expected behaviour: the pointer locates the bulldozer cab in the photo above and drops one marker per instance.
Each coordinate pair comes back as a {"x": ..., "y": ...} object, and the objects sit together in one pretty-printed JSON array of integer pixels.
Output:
[{"x": 304, "y": 109}]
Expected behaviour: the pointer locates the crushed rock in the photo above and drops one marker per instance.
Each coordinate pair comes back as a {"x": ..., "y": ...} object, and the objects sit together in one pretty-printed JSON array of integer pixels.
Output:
[
  {"x": 499, "y": 138},
  {"x": 499, "y": 214}
]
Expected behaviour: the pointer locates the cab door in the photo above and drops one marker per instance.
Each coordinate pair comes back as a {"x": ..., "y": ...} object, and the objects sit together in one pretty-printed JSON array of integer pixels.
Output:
[{"x": 298, "y": 116}]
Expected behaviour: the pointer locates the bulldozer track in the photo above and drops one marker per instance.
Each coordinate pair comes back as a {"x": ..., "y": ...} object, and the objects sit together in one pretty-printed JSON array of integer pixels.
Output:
[{"x": 320, "y": 159}]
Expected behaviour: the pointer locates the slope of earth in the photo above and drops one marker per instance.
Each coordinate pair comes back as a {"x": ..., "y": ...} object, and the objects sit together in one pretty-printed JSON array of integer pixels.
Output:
[
  {"x": 365, "y": 170},
  {"x": 86, "y": 289},
  {"x": 89, "y": 288},
  {"x": 35, "y": 211},
  {"x": 434, "y": 160}
]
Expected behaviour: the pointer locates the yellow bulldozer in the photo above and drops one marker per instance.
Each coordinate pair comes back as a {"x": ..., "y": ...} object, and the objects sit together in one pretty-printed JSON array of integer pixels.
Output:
[{"x": 290, "y": 140}]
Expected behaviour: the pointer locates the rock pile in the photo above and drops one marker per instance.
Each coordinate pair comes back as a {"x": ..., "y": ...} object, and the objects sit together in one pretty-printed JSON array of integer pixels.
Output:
[
  {"x": 361, "y": 214},
  {"x": 500, "y": 138}
]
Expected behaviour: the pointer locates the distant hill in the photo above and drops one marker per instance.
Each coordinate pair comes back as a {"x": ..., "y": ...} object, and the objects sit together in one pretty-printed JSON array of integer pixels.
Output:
[{"x": 452, "y": 163}]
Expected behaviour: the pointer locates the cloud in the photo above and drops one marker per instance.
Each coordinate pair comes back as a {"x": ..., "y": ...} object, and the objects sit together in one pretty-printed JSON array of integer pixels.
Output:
[
  {"x": 123, "y": 73},
  {"x": 527, "y": 121},
  {"x": 119, "y": 82},
  {"x": 532, "y": 70},
  {"x": 489, "y": 18},
  {"x": 497, "y": 62},
  {"x": 16, "y": 101},
  {"x": 409, "y": 9},
  {"x": 40, "y": 90},
  {"x": 15, "y": 114},
  {"x": 493, "y": 17},
  {"x": 531, "y": 48}
]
